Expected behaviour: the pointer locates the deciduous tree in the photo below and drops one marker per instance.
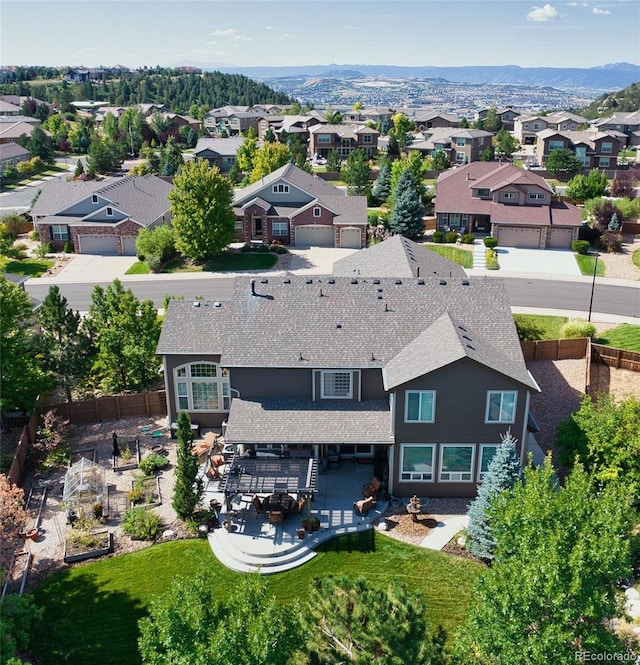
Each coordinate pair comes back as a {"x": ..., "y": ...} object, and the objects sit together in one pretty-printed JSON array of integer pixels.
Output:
[
  {"x": 402, "y": 127},
  {"x": 356, "y": 173},
  {"x": 506, "y": 144},
  {"x": 246, "y": 152},
  {"x": 590, "y": 186},
  {"x": 39, "y": 145},
  {"x": 334, "y": 162},
  {"x": 440, "y": 161},
  {"x": 268, "y": 158},
  {"x": 188, "y": 489},
  {"x": 563, "y": 164},
  {"x": 104, "y": 155},
  {"x": 13, "y": 518},
  {"x": 203, "y": 219}
]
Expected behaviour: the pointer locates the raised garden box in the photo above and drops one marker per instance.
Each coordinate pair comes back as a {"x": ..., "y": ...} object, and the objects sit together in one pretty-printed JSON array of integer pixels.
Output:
[
  {"x": 119, "y": 464},
  {"x": 71, "y": 555}
]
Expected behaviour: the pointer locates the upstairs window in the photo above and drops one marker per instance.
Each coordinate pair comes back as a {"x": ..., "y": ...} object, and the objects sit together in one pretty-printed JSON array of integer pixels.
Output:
[
  {"x": 202, "y": 387},
  {"x": 336, "y": 384},
  {"x": 420, "y": 406},
  {"x": 483, "y": 192},
  {"x": 367, "y": 138},
  {"x": 109, "y": 212},
  {"x": 317, "y": 211},
  {"x": 281, "y": 188},
  {"x": 509, "y": 196},
  {"x": 501, "y": 406},
  {"x": 324, "y": 138},
  {"x": 94, "y": 198},
  {"x": 606, "y": 147}
]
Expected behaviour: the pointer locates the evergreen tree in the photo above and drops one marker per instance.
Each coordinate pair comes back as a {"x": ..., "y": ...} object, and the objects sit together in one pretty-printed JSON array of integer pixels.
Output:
[
  {"x": 188, "y": 489},
  {"x": 382, "y": 186},
  {"x": 334, "y": 162},
  {"x": 440, "y": 161},
  {"x": 406, "y": 218},
  {"x": 79, "y": 170},
  {"x": 492, "y": 122},
  {"x": 464, "y": 123},
  {"x": 171, "y": 159},
  {"x": 502, "y": 474}
]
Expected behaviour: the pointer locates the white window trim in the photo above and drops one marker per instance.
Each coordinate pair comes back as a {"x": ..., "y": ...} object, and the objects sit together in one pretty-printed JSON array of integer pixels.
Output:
[
  {"x": 109, "y": 211},
  {"x": 94, "y": 198},
  {"x": 515, "y": 407},
  {"x": 224, "y": 389},
  {"x": 433, "y": 464},
  {"x": 482, "y": 473},
  {"x": 62, "y": 236},
  {"x": 406, "y": 407},
  {"x": 324, "y": 373},
  {"x": 536, "y": 197},
  {"x": 443, "y": 446},
  {"x": 279, "y": 228},
  {"x": 509, "y": 196},
  {"x": 317, "y": 211},
  {"x": 280, "y": 188}
]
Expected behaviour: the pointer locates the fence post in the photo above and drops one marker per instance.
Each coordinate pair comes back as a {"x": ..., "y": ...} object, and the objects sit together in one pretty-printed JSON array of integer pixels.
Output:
[{"x": 618, "y": 355}]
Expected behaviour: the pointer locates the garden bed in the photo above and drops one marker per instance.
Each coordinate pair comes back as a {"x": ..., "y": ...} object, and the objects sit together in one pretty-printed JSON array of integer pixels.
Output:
[
  {"x": 124, "y": 462},
  {"x": 104, "y": 545}
]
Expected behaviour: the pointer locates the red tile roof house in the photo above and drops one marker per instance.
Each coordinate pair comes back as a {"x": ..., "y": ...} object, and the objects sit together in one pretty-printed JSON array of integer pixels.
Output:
[
  {"x": 295, "y": 208},
  {"x": 512, "y": 204},
  {"x": 418, "y": 376},
  {"x": 99, "y": 217}
]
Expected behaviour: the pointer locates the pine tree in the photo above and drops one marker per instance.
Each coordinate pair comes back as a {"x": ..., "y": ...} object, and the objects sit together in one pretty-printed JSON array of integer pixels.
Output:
[
  {"x": 188, "y": 490},
  {"x": 406, "y": 218},
  {"x": 382, "y": 186},
  {"x": 79, "y": 170},
  {"x": 503, "y": 472}
]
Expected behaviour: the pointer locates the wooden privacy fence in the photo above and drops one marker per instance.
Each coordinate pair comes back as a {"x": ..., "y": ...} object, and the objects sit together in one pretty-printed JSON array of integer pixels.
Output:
[
  {"x": 555, "y": 349},
  {"x": 27, "y": 438},
  {"x": 113, "y": 408},
  {"x": 618, "y": 358}
]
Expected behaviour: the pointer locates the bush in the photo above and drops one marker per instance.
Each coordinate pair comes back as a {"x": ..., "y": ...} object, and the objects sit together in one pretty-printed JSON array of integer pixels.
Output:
[
  {"x": 154, "y": 263},
  {"x": 438, "y": 236},
  {"x": 372, "y": 218},
  {"x": 580, "y": 246},
  {"x": 491, "y": 260},
  {"x": 490, "y": 242},
  {"x": 577, "y": 328},
  {"x": 528, "y": 330},
  {"x": 152, "y": 463},
  {"x": 246, "y": 248},
  {"x": 611, "y": 241},
  {"x": 34, "y": 235},
  {"x": 13, "y": 225},
  {"x": 451, "y": 236},
  {"x": 43, "y": 249},
  {"x": 141, "y": 523},
  {"x": 467, "y": 238},
  {"x": 262, "y": 248},
  {"x": 68, "y": 247}
]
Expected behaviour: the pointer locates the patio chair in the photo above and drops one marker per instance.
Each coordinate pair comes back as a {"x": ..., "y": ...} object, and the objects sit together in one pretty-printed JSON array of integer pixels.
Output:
[
  {"x": 363, "y": 506},
  {"x": 372, "y": 489},
  {"x": 257, "y": 504}
]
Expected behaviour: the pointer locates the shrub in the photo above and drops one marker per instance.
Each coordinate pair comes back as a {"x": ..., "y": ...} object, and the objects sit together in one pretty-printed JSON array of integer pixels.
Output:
[
  {"x": 43, "y": 249},
  {"x": 152, "y": 463},
  {"x": 490, "y": 242},
  {"x": 372, "y": 218},
  {"x": 438, "y": 236},
  {"x": 34, "y": 235},
  {"x": 154, "y": 262},
  {"x": 611, "y": 241},
  {"x": 491, "y": 260},
  {"x": 528, "y": 330},
  {"x": 68, "y": 247},
  {"x": 13, "y": 225},
  {"x": 580, "y": 246},
  {"x": 141, "y": 523},
  {"x": 246, "y": 247},
  {"x": 262, "y": 248},
  {"x": 278, "y": 249},
  {"x": 451, "y": 236},
  {"x": 467, "y": 238},
  {"x": 577, "y": 328}
]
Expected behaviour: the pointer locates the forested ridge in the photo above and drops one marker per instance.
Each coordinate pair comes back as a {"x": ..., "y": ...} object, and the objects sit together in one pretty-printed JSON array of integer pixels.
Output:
[
  {"x": 625, "y": 100},
  {"x": 176, "y": 90}
]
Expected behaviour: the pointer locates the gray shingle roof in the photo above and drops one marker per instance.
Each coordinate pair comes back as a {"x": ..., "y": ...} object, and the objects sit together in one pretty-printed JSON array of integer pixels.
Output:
[
  {"x": 293, "y": 421},
  {"x": 228, "y": 146},
  {"x": 396, "y": 257},
  {"x": 57, "y": 195},
  {"x": 12, "y": 150},
  {"x": 188, "y": 329}
]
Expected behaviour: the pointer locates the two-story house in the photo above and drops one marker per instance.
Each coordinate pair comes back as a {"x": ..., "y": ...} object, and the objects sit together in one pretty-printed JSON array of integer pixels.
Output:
[
  {"x": 291, "y": 124},
  {"x": 219, "y": 152},
  {"x": 507, "y": 116},
  {"x": 98, "y": 218},
  {"x": 232, "y": 120},
  {"x": 512, "y": 204},
  {"x": 419, "y": 376},
  {"x": 293, "y": 207},
  {"x": 527, "y": 127},
  {"x": 461, "y": 146},
  {"x": 596, "y": 150},
  {"x": 344, "y": 139},
  {"x": 627, "y": 123},
  {"x": 436, "y": 119}
]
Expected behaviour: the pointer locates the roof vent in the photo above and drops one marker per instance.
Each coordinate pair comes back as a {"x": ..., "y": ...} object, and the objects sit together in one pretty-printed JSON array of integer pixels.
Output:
[
  {"x": 379, "y": 296},
  {"x": 217, "y": 304},
  {"x": 465, "y": 282},
  {"x": 286, "y": 280},
  {"x": 380, "y": 290},
  {"x": 338, "y": 325},
  {"x": 354, "y": 280},
  {"x": 264, "y": 280},
  {"x": 372, "y": 357},
  {"x": 417, "y": 271},
  {"x": 420, "y": 282},
  {"x": 253, "y": 287},
  {"x": 195, "y": 303},
  {"x": 309, "y": 280},
  {"x": 398, "y": 281},
  {"x": 376, "y": 281},
  {"x": 471, "y": 347},
  {"x": 443, "y": 282},
  {"x": 321, "y": 294},
  {"x": 300, "y": 355},
  {"x": 386, "y": 307},
  {"x": 331, "y": 280}
]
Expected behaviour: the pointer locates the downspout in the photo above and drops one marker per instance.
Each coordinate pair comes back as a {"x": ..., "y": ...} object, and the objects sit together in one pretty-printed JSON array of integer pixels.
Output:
[{"x": 525, "y": 433}]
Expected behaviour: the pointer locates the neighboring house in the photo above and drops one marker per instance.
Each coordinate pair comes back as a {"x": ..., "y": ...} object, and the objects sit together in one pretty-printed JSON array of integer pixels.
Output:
[
  {"x": 628, "y": 123},
  {"x": 462, "y": 146},
  {"x": 594, "y": 149},
  {"x": 420, "y": 377},
  {"x": 232, "y": 120},
  {"x": 149, "y": 109},
  {"x": 436, "y": 119},
  {"x": 507, "y": 116},
  {"x": 76, "y": 75},
  {"x": 291, "y": 124},
  {"x": 344, "y": 139},
  {"x": 6, "y": 108},
  {"x": 295, "y": 208},
  {"x": 99, "y": 218},
  {"x": 12, "y": 131},
  {"x": 527, "y": 127},
  {"x": 12, "y": 153},
  {"x": 219, "y": 152},
  {"x": 512, "y": 204},
  {"x": 375, "y": 115}
]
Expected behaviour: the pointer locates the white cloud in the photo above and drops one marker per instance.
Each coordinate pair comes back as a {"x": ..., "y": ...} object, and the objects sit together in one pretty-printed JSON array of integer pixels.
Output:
[
  {"x": 545, "y": 13},
  {"x": 287, "y": 35},
  {"x": 231, "y": 35},
  {"x": 352, "y": 27},
  {"x": 601, "y": 12}
]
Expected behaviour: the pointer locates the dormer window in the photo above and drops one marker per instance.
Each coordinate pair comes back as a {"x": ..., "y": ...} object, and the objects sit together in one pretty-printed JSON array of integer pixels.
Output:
[
  {"x": 109, "y": 212},
  {"x": 281, "y": 188},
  {"x": 483, "y": 192},
  {"x": 94, "y": 198},
  {"x": 317, "y": 211}
]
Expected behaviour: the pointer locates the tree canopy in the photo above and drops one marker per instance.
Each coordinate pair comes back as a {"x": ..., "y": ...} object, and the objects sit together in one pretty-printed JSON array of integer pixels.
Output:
[
  {"x": 201, "y": 203},
  {"x": 590, "y": 186},
  {"x": 356, "y": 173},
  {"x": 563, "y": 164},
  {"x": 268, "y": 158},
  {"x": 187, "y": 490},
  {"x": 407, "y": 216}
]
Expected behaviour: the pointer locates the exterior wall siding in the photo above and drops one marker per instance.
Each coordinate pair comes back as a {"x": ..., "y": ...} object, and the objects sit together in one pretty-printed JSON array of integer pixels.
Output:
[{"x": 286, "y": 383}]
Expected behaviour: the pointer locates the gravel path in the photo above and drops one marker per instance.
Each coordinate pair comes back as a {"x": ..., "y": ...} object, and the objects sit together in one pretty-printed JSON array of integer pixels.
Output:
[{"x": 620, "y": 266}]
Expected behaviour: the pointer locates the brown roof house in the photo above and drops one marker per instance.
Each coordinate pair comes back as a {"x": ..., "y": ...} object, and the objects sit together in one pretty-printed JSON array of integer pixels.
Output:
[
  {"x": 419, "y": 376},
  {"x": 101, "y": 218},
  {"x": 344, "y": 139},
  {"x": 596, "y": 150},
  {"x": 294, "y": 207},
  {"x": 460, "y": 145},
  {"x": 512, "y": 204},
  {"x": 219, "y": 152}
]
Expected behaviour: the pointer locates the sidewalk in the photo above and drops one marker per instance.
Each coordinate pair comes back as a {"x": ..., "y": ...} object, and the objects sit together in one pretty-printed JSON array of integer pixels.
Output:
[{"x": 438, "y": 537}]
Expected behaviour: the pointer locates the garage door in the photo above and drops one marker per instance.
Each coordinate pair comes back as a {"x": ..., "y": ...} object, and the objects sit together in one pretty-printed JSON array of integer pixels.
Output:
[
  {"x": 350, "y": 238},
  {"x": 129, "y": 246},
  {"x": 98, "y": 244},
  {"x": 314, "y": 235},
  {"x": 516, "y": 236},
  {"x": 560, "y": 238}
]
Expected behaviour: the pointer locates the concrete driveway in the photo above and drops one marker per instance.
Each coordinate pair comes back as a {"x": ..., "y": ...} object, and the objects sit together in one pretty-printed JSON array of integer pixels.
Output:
[
  {"x": 315, "y": 260},
  {"x": 537, "y": 261},
  {"x": 93, "y": 268}
]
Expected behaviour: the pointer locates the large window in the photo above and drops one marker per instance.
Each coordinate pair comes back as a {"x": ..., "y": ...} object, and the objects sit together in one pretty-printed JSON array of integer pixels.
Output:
[
  {"x": 556, "y": 145},
  {"x": 536, "y": 197},
  {"x": 367, "y": 138},
  {"x": 460, "y": 142},
  {"x": 59, "y": 232},
  {"x": 456, "y": 462},
  {"x": 336, "y": 385},
  {"x": 324, "y": 138},
  {"x": 416, "y": 462},
  {"x": 486, "y": 455},
  {"x": 606, "y": 147},
  {"x": 501, "y": 406},
  {"x": 280, "y": 228},
  {"x": 483, "y": 192},
  {"x": 420, "y": 406},
  {"x": 604, "y": 161},
  {"x": 202, "y": 387}
]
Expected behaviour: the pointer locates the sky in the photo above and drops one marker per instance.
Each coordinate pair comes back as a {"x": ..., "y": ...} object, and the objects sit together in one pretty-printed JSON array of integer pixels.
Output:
[{"x": 249, "y": 33}]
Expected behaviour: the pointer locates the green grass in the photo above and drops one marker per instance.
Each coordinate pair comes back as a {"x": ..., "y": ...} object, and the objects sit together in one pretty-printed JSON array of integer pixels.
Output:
[
  {"x": 229, "y": 261},
  {"x": 551, "y": 325},
  {"x": 461, "y": 256},
  {"x": 139, "y": 268},
  {"x": 636, "y": 258},
  {"x": 33, "y": 177},
  {"x": 625, "y": 336},
  {"x": 91, "y": 612},
  {"x": 28, "y": 267},
  {"x": 586, "y": 264}
]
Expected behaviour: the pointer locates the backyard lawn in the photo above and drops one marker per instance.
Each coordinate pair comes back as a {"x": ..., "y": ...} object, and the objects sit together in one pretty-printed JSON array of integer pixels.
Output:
[
  {"x": 463, "y": 257},
  {"x": 550, "y": 325},
  {"x": 625, "y": 336},
  {"x": 92, "y": 611}
]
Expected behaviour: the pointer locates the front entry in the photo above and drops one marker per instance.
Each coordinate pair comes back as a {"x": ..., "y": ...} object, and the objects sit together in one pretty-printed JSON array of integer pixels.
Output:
[{"x": 256, "y": 228}]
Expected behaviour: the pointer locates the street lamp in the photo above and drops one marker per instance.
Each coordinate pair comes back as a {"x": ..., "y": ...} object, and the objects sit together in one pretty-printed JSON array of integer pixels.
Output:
[{"x": 593, "y": 284}]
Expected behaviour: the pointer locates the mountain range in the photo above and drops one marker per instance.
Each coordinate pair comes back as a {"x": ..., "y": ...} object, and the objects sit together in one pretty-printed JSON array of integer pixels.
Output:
[{"x": 604, "y": 78}]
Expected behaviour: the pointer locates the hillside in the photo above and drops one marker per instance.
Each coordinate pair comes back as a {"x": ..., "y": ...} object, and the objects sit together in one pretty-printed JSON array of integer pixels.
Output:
[{"x": 627, "y": 99}]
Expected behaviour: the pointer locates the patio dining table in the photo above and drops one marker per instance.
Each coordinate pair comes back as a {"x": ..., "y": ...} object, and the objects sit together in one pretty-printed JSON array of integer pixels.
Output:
[{"x": 283, "y": 503}]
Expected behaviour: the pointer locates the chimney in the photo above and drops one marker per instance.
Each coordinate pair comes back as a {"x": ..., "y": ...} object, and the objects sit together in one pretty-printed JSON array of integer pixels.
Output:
[{"x": 253, "y": 287}]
